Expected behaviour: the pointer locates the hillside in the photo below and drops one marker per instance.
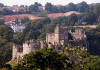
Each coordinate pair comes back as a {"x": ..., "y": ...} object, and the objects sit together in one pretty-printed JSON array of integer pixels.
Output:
[{"x": 55, "y": 15}]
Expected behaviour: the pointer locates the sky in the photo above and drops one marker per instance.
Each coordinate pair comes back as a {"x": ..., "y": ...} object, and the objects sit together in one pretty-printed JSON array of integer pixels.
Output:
[{"x": 43, "y": 2}]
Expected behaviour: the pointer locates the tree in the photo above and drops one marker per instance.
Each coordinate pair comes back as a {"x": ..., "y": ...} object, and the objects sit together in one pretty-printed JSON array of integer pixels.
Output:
[
  {"x": 60, "y": 20},
  {"x": 72, "y": 19},
  {"x": 89, "y": 17},
  {"x": 25, "y": 20},
  {"x": 44, "y": 59},
  {"x": 93, "y": 37},
  {"x": 6, "y": 12},
  {"x": 62, "y": 9},
  {"x": 1, "y": 5},
  {"x": 51, "y": 8},
  {"x": 97, "y": 10},
  {"x": 6, "y": 38},
  {"x": 42, "y": 14},
  {"x": 72, "y": 7},
  {"x": 6, "y": 33},
  {"x": 1, "y": 21},
  {"x": 18, "y": 38},
  {"x": 82, "y": 7},
  {"x": 34, "y": 8}
]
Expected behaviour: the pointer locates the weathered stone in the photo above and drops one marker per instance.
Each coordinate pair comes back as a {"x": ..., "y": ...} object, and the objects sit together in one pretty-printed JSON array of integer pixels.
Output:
[{"x": 54, "y": 40}]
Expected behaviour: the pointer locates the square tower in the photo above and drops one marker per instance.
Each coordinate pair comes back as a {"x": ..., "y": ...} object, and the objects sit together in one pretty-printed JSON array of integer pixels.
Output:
[{"x": 60, "y": 36}]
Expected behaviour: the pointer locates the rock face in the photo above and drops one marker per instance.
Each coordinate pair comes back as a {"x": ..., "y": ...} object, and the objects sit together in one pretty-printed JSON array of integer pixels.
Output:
[{"x": 55, "y": 40}]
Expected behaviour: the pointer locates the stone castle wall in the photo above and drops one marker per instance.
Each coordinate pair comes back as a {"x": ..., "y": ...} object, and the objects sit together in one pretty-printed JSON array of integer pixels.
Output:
[
  {"x": 60, "y": 35},
  {"x": 56, "y": 40},
  {"x": 17, "y": 52},
  {"x": 78, "y": 34}
]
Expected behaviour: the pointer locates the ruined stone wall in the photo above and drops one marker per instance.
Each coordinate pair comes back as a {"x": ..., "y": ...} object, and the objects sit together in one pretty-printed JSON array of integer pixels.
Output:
[
  {"x": 27, "y": 48},
  {"x": 78, "y": 34},
  {"x": 30, "y": 46},
  {"x": 17, "y": 52},
  {"x": 63, "y": 36},
  {"x": 14, "y": 52},
  {"x": 50, "y": 38},
  {"x": 56, "y": 40},
  {"x": 60, "y": 35},
  {"x": 19, "y": 56},
  {"x": 43, "y": 43}
]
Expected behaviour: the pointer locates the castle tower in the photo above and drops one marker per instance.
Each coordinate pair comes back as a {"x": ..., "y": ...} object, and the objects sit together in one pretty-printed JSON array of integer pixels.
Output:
[
  {"x": 61, "y": 35},
  {"x": 14, "y": 52},
  {"x": 27, "y": 47},
  {"x": 42, "y": 44},
  {"x": 57, "y": 32}
]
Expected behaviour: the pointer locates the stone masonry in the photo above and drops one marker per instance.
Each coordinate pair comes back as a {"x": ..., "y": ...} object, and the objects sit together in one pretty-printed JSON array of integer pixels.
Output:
[{"x": 54, "y": 40}]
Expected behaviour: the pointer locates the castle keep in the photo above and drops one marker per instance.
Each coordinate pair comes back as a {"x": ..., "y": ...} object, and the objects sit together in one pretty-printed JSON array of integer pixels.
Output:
[
  {"x": 54, "y": 40},
  {"x": 60, "y": 36}
]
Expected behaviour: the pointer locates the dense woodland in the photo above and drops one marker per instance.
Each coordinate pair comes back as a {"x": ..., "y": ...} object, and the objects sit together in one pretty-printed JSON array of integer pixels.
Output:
[
  {"x": 47, "y": 58},
  {"x": 50, "y": 8}
]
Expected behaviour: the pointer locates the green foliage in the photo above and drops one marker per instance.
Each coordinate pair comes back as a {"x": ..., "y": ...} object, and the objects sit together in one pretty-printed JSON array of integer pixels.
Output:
[
  {"x": 82, "y": 7},
  {"x": 17, "y": 38},
  {"x": 34, "y": 8},
  {"x": 43, "y": 59},
  {"x": 35, "y": 29},
  {"x": 1, "y": 21},
  {"x": 66, "y": 21},
  {"x": 6, "y": 34},
  {"x": 80, "y": 59},
  {"x": 46, "y": 58},
  {"x": 42, "y": 14},
  {"x": 19, "y": 67},
  {"x": 72, "y": 19},
  {"x": 6, "y": 38},
  {"x": 50, "y": 8},
  {"x": 90, "y": 18},
  {"x": 1, "y": 5},
  {"x": 6, "y": 11},
  {"x": 72, "y": 7},
  {"x": 93, "y": 37},
  {"x": 5, "y": 53},
  {"x": 25, "y": 20},
  {"x": 75, "y": 58}
]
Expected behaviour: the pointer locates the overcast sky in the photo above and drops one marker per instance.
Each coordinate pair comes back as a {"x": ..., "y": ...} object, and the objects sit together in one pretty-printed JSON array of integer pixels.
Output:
[{"x": 28, "y": 2}]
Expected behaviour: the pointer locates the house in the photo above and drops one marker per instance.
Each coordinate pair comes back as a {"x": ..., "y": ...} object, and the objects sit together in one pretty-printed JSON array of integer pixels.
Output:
[{"x": 17, "y": 27}]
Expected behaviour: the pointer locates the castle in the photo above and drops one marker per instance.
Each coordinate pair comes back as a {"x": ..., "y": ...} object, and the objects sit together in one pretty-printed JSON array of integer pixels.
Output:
[{"x": 54, "y": 40}]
